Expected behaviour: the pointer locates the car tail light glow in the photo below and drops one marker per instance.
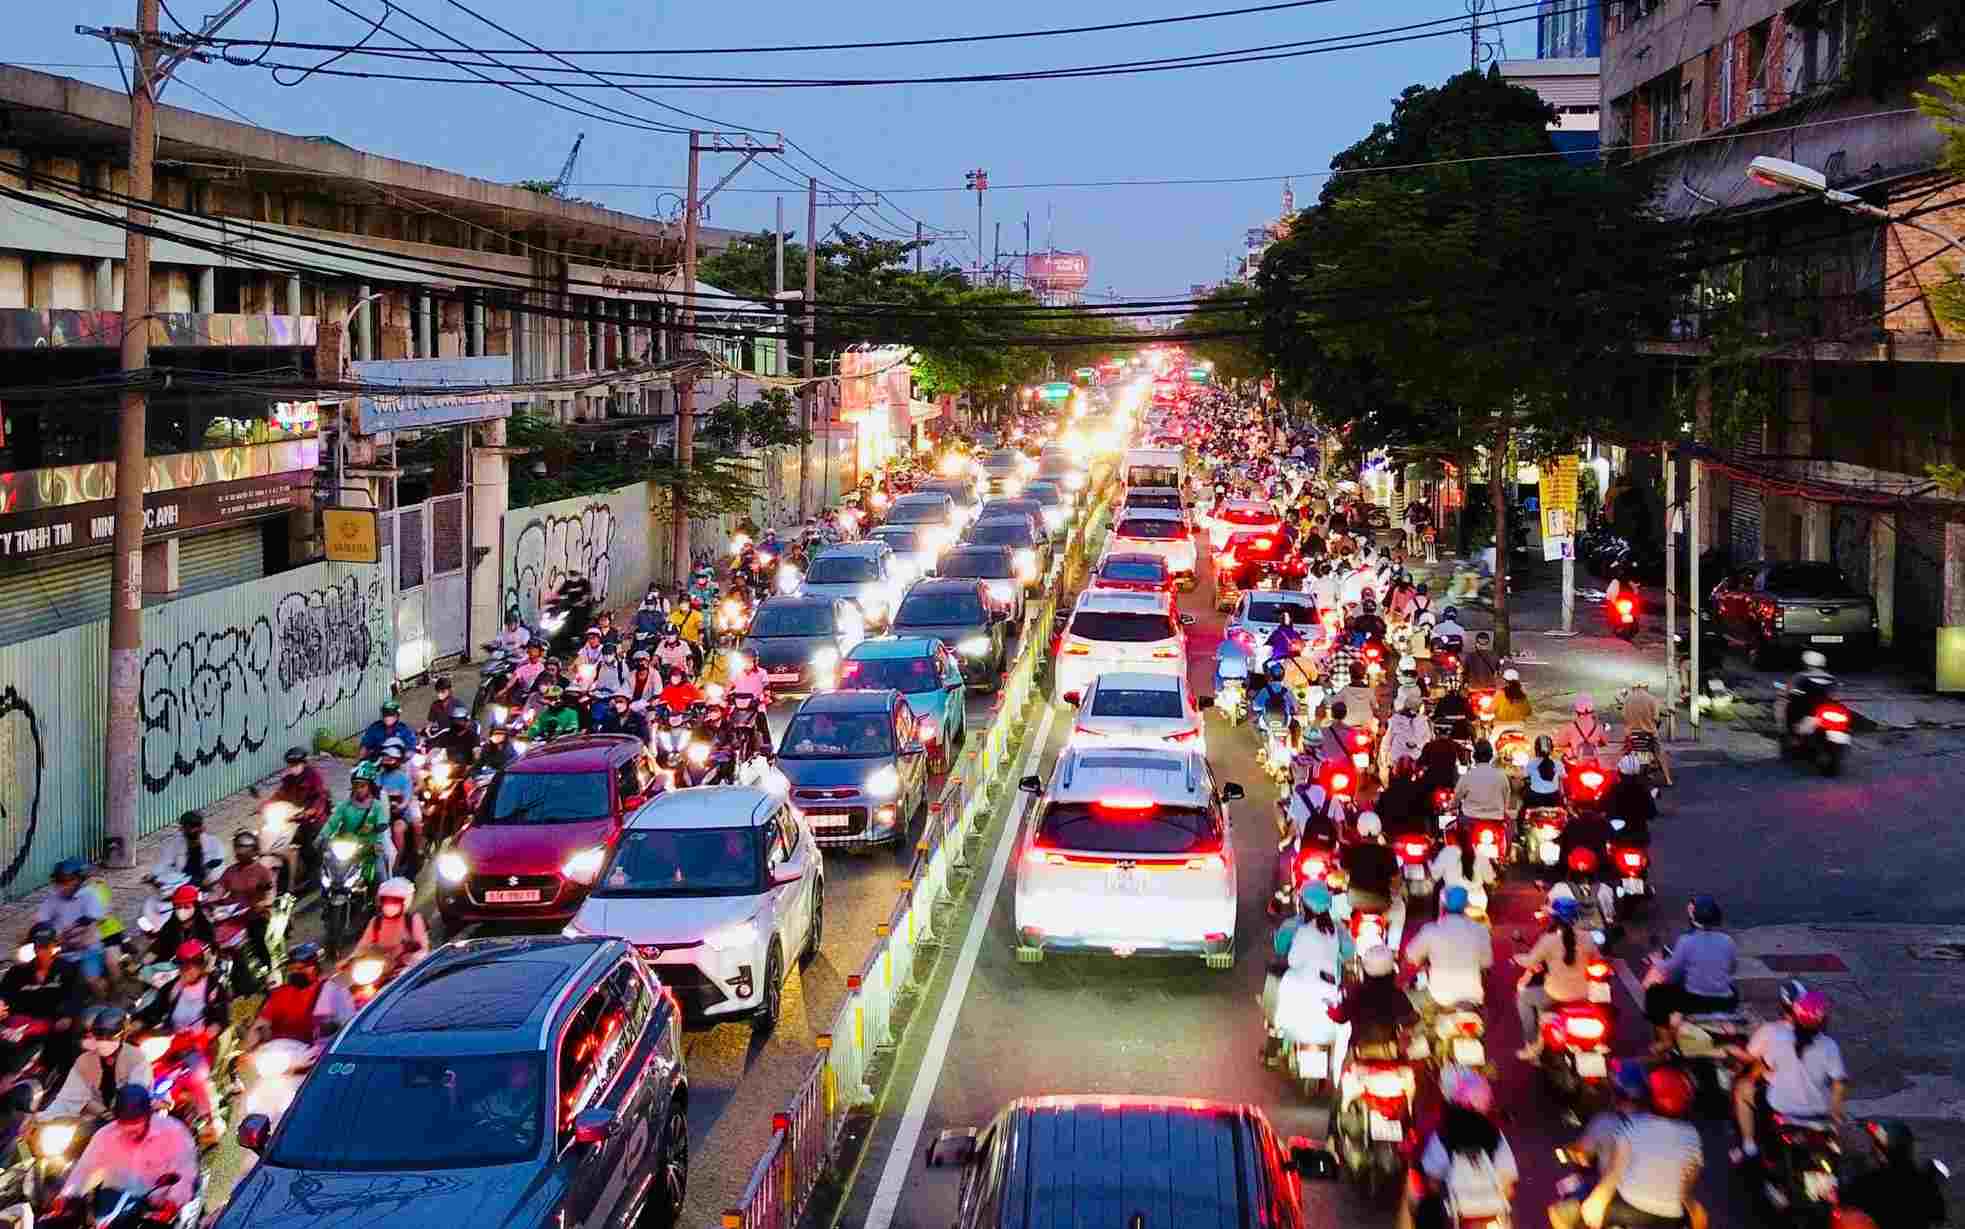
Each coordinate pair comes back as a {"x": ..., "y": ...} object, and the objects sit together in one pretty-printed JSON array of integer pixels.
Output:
[
  {"x": 1039, "y": 856},
  {"x": 1585, "y": 1028},
  {"x": 1125, "y": 802},
  {"x": 1181, "y": 736},
  {"x": 1076, "y": 648},
  {"x": 1210, "y": 862},
  {"x": 1598, "y": 970}
]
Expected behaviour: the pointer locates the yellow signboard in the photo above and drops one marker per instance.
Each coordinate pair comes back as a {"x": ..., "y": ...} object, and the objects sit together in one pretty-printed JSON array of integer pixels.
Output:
[
  {"x": 351, "y": 536},
  {"x": 1558, "y": 497}
]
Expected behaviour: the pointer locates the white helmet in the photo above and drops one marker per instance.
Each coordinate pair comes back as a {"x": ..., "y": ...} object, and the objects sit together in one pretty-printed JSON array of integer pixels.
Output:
[
  {"x": 1378, "y": 961},
  {"x": 398, "y": 887},
  {"x": 1369, "y": 825},
  {"x": 1814, "y": 660},
  {"x": 1511, "y": 675},
  {"x": 1408, "y": 699},
  {"x": 1585, "y": 703}
]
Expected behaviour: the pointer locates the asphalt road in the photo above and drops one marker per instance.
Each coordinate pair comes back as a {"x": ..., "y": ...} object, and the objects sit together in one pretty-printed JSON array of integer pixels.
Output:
[{"x": 1104, "y": 1025}]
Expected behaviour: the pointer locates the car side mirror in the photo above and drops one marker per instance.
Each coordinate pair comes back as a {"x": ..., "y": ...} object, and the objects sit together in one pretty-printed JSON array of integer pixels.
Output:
[
  {"x": 1074, "y": 698},
  {"x": 253, "y": 1130},
  {"x": 1311, "y": 1162},
  {"x": 595, "y": 1126},
  {"x": 952, "y": 1148},
  {"x": 1031, "y": 785},
  {"x": 1233, "y": 792}
]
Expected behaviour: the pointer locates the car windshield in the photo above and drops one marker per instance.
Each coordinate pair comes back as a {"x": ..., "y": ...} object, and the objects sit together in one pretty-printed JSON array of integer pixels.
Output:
[
  {"x": 1248, "y": 516},
  {"x": 362, "y": 1112},
  {"x": 912, "y": 675},
  {"x": 922, "y": 512},
  {"x": 1152, "y": 475},
  {"x": 1127, "y": 702},
  {"x": 899, "y": 539},
  {"x": 1159, "y": 529},
  {"x": 1169, "y": 500},
  {"x": 1098, "y": 828},
  {"x": 684, "y": 862},
  {"x": 960, "y": 492},
  {"x": 1122, "y": 626},
  {"x": 837, "y": 735},
  {"x": 1001, "y": 533},
  {"x": 1808, "y": 580},
  {"x": 547, "y": 798},
  {"x": 1271, "y": 611},
  {"x": 799, "y": 620},
  {"x": 1044, "y": 493},
  {"x": 1006, "y": 458},
  {"x": 1154, "y": 572},
  {"x": 976, "y": 565},
  {"x": 841, "y": 570},
  {"x": 940, "y": 609}
]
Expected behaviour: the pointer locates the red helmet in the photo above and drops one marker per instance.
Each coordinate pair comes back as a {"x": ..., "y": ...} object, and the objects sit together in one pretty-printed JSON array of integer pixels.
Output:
[
  {"x": 1583, "y": 861},
  {"x": 1851, "y": 1218},
  {"x": 186, "y": 894},
  {"x": 1811, "y": 1010},
  {"x": 1671, "y": 1092},
  {"x": 189, "y": 950}
]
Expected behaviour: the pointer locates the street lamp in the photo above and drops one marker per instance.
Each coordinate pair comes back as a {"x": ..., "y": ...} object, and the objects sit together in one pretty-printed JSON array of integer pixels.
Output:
[{"x": 1794, "y": 177}]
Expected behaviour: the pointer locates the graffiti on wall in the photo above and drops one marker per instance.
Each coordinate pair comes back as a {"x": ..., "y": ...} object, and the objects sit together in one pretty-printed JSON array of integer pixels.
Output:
[
  {"x": 23, "y": 760},
  {"x": 326, "y": 644},
  {"x": 551, "y": 548}
]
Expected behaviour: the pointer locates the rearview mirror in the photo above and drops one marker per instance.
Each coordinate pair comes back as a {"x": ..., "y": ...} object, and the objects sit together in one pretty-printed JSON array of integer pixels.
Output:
[
  {"x": 1233, "y": 792},
  {"x": 1312, "y": 1162},
  {"x": 253, "y": 1130},
  {"x": 952, "y": 1148},
  {"x": 1031, "y": 785},
  {"x": 595, "y": 1126}
]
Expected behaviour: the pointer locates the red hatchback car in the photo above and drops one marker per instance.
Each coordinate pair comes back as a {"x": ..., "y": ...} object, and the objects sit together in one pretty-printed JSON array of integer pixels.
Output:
[{"x": 540, "y": 832}]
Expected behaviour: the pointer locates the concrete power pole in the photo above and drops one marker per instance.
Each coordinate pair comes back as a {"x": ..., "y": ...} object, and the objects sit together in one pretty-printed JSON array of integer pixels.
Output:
[
  {"x": 917, "y": 247},
  {"x": 778, "y": 286},
  {"x": 810, "y": 389}
]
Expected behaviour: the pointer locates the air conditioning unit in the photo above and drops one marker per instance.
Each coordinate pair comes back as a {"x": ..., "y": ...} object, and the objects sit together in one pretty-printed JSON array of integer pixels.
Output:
[{"x": 1756, "y": 100}]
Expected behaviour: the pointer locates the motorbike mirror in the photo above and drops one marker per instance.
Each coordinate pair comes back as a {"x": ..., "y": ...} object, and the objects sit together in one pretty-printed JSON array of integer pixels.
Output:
[
  {"x": 952, "y": 1148},
  {"x": 595, "y": 1126},
  {"x": 1599, "y": 938},
  {"x": 1312, "y": 1162}
]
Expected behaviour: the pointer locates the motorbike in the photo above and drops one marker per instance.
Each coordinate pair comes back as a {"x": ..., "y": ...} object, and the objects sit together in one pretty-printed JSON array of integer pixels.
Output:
[
  {"x": 1374, "y": 1132},
  {"x": 1415, "y": 855},
  {"x": 733, "y": 617},
  {"x": 497, "y": 674},
  {"x": 1703, "y": 1048},
  {"x": 1576, "y": 1044},
  {"x": 673, "y": 735},
  {"x": 707, "y": 762},
  {"x": 564, "y": 624},
  {"x": 1541, "y": 836},
  {"x": 1797, "y": 1177},
  {"x": 1621, "y": 612},
  {"x": 1273, "y": 751},
  {"x": 173, "y": 1058},
  {"x": 1645, "y": 747},
  {"x": 268, "y": 1079},
  {"x": 107, "y": 1207},
  {"x": 1630, "y": 862},
  {"x": 1586, "y": 785},
  {"x": 53, "y": 1144},
  {"x": 1481, "y": 705},
  {"x": 347, "y": 890},
  {"x": 229, "y": 923},
  {"x": 292, "y": 860},
  {"x": 1822, "y": 736},
  {"x": 1303, "y": 1032}
]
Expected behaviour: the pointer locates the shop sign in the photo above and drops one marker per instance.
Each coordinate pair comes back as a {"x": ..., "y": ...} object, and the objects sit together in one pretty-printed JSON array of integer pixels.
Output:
[{"x": 38, "y": 532}]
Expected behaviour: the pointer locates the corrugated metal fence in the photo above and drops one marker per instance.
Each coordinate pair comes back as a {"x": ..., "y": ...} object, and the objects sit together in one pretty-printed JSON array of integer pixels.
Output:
[{"x": 231, "y": 679}]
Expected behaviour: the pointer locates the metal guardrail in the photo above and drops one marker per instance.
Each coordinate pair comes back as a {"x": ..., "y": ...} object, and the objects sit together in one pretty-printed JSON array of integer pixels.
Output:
[{"x": 806, "y": 1132}]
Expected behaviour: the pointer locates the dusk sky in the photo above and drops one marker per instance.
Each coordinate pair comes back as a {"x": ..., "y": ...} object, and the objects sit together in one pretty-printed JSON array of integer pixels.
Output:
[{"x": 1264, "y": 119}]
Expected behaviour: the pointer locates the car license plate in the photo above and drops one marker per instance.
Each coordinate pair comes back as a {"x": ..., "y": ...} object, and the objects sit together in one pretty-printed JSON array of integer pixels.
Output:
[
  {"x": 1123, "y": 883},
  {"x": 820, "y": 823},
  {"x": 1312, "y": 1062},
  {"x": 1599, "y": 992},
  {"x": 1387, "y": 1130},
  {"x": 1826, "y": 639},
  {"x": 1415, "y": 870},
  {"x": 1551, "y": 853},
  {"x": 782, "y": 676},
  {"x": 1633, "y": 886},
  {"x": 1592, "y": 1066},
  {"x": 512, "y": 896},
  {"x": 1469, "y": 1051}
]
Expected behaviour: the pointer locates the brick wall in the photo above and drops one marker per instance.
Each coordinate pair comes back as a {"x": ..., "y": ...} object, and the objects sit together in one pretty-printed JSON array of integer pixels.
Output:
[
  {"x": 1777, "y": 62},
  {"x": 1640, "y": 117},
  {"x": 1914, "y": 262}
]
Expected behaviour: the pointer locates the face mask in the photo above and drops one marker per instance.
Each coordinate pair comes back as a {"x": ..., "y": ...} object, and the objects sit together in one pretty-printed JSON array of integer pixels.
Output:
[
  {"x": 184, "y": 915},
  {"x": 102, "y": 1048},
  {"x": 299, "y": 979},
  {"x": 392, "y": 911}
]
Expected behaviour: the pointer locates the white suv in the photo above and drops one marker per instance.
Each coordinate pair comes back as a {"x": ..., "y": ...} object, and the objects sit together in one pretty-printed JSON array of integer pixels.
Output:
[
  {"x": 1113, "y": 630},
  {"x": 720, "y": 888},
  {"x": 1156, "y": 531},
  {"x": 1134, "y": 709},
  {"x": 1128, "y": 850}
]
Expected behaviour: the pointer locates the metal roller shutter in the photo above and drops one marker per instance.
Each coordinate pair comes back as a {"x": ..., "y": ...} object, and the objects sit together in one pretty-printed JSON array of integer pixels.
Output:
[
  {"x": 1920, "y": 586},
  {"x": 40, "y": 599},
  {"x": 1745, "y": 529},
  {"x": 215, "y": 560}
]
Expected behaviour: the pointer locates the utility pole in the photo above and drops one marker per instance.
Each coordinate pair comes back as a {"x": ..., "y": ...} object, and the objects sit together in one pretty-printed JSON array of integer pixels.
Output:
[
  {"x": 978, "y": 182},
  {"x": 778, "y": 286},
  {"x": 996, "y": 255},
  {"x": 918, "y": 247},
  {"x": 809, "y": 389},
  {"x": 700, "y": 143}
]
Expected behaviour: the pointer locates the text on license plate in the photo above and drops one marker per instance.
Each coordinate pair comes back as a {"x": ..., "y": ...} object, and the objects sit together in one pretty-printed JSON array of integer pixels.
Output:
[
  {"x": 1123, "y": 883},
  {"x": 1826, "y": 639},
  {"x": 1387, "y": 1130},
  {"x": 822, "y": 822},
  {"x": 1592, "y": 1066},
  {"x": 782, "y": 676},
  {"x": 512, "y": 896}
]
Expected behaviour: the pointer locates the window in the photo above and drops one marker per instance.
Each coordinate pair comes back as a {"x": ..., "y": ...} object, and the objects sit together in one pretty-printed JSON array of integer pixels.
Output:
[
  {"x": 388, "y": 1113},
  {"x": 941, "y": 609},
  {"x": 1151, "y": 829},
  {"x": 580, "y": 1078},
  {"x": 548, "y": 798},
  {"x": 1667, "y": 114},
  {"x": 842, "y": 570},
  {"x": 1724, "y": 79},
  {"x": 1819, "y": 33},
  {"x": 628, "y": 778},
  {"x": 801, "y": 619},
  {"x": 1122, "y": 626},
  {"x": 1757, "y": 39},
  {"x": 1127, "y": 702},
  {"x": 652, "y": 862}
]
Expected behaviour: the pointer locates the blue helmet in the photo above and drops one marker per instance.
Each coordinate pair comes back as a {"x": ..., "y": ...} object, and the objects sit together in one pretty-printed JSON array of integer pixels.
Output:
[
  {"x": 1565, "y": 910},
  {"x": 1274, "y": 670},
  {"x": 1630, "y": 1080},
  {"x": 1316, "y": 898},
  {"x": 1454, "y": 900}
]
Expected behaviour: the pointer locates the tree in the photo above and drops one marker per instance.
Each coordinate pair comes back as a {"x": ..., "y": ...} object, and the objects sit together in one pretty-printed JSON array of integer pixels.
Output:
[
  {"x": 1945, "y": 105},
  {"x": 1459, "y": 287}
]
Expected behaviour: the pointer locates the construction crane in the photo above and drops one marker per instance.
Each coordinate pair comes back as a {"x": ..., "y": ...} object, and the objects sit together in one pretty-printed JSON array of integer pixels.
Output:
[{"x": 566, "y": 168}]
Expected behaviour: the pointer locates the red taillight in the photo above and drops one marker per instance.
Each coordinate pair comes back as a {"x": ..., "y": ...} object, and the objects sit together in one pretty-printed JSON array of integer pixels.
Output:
[
  {"x": 1262, "y": 543},
  {"x": 1414, "y": 850},
  {"x": 1441, "y": 797},
  {"x": 849, "y": 672},
  {"x": 1633, "y": 860},
  {"x": 1124, "y": 802},
  {"x": 1832, "y": 715},
  {"x": 1340, "y": 781},
  {"x": 1181, "y": 736},
  {"x": 1598, "y": 970},
  {"x": 1585, "y": 1028},
  {"x": 1372, "y": 653},
  {"x": 1312, "y": 866},
  {"x": 1485, "y": 702},
  {"x": 1624, "y": 606}
]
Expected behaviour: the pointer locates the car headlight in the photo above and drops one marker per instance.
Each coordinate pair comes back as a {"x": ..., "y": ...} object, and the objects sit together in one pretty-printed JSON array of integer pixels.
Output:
[
  {"x": 53, "y": 1140},
  {"x": 974, "y": 646},
  {"x": 451, "y": 867},
  {"x": 584, "y": 867},
  {"x": 735, "y": 935},
  {"x": 344, "y": 849},
  {"x": 826, "y": 658},
  {"x": 884, "y": 783},
  {"x": 1026, "y": 561}
]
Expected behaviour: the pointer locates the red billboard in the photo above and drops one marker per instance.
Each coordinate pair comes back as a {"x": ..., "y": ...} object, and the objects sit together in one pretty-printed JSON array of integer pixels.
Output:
[{"x": 1058, "y": 270}]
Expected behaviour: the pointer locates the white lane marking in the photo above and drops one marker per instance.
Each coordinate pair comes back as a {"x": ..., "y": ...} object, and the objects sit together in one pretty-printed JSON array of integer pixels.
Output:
[
  {"x": 887, "y": 1196},
  {"x": 1631, "y": 983}
]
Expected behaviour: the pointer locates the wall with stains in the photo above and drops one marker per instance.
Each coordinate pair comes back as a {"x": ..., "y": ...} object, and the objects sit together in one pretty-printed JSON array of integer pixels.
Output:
[
  {"x": 231, "y": 679},
  {"x": 605, "y": 538}
]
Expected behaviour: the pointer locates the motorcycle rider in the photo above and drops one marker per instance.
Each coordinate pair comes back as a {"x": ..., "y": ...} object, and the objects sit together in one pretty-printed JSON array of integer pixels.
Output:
[
  {"x": 1368, "y": 623},
  {"x": 439, "y": 715},
  {"x": 1449, "y": 625},
  {"x": 1455, "y": 951},
  {"x": 1631, "y": 801},
  {"x": 1452, "y": 715},
  {"x": 1311, "y": 946},
  {"x": 1584, "y": 736},
  {"x": 1372, "y": 866},
  {"x": 364, "y": 816},
  {"x": 75, "y": 917},
  {"x": 1562, "y": 955},
  {"x": 306, "y": 1006},
  {"x": 681, "y": 694},
  {"x": 1404, "y": 805},
  {"x": 248, "y": 882},
  {"x": 107, "y": 1062},
  {"x": 389, "y": 725},
  {"x": 644, "y": 682},
  {"x": 1467, "y": 1167},
  {"x": 1641, "y": 716},
  {"x": 1406, "y": 733},
  {"x": 1805, "y": 691},
  {"x": 1542, "y": 783},
  {"x": 1795, "y": 1069},
  {"x": 1512, "y": 706},
  {"x": 187, "y": 920},
  {"x": 1274, "y": 705},
  {"x": 1899, "y": 1193},
  {"x": 197, "y": 856},
  {"x": 526, "y": 673},
  {"x": 749, "y": 678},
  {"x": 1457, "y": 865},
  {"x": 1377, "y": 1010},
  {"x": 196, "y": 1003},
  {"x": 497, "y": 750},
  {"x": 618, "y": 718},
  {"x": 560, "y": 715},
  {"x": 396, "y": 928},
  {"x": 1360, "y": 701},
  {"x": 1479, "y": 667},
  {"x": 1440, "y": 761},
  {"x": 514, "y": 636},
  {"x": 1482, "y": 793},
  {"x": 611, "y": 674},
  {"x": 673, "y": 653},
  {"x": 1649, "y": 1168},
  {"x": 609, "y": 634},
  {"x": 1696, "y": 979},
  {"x": 46, "y": 988},
  {"x": 135, "y": 1153}
]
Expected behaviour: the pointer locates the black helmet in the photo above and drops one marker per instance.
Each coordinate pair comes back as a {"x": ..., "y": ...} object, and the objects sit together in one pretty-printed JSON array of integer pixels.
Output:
[
  {"x": 1450, "y": 615},
  {"x": 296, "y": 755},
  {"x": 191, "y": 819},
  {"x": 132, "y": 1103},
  {"x": 1705, "y": 911},
  {"x": 105, "y": 1023},
  {"x": 246, "y": 840},
  {"x": 41, "y": 934}
]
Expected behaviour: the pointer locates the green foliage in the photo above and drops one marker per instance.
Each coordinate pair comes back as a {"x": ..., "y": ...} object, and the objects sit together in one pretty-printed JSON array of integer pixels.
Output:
[
  {"x": 544, "y": 187},
  {"x": 1950, "y": 478},
  {"x": 584, "y": 463},
  {"x": 1895, "y": 41},
  {"x": 771, "y": 421},
  {"x": 1946, "y": 108}
]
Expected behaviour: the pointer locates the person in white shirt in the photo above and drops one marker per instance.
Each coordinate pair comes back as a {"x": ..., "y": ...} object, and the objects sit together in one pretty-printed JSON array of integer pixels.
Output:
[
  {"x": 514, "y": 635},
  {"x": 1406, "y": 733},
  {"x": 196, "y": 855},
  {"x": 1467, "y": 1163},
  {"x": 1802, "y": 1067},
  {"x": 107, "y": 1064},
  {"x": 136, "y": 1152},
  {"x": 1455, "y": 951}
]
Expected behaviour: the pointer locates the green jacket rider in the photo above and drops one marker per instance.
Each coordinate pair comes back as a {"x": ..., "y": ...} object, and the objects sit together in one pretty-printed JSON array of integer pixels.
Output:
[
  {"x": 363, "y": 816},
  {"x": 559, "y": 716}
]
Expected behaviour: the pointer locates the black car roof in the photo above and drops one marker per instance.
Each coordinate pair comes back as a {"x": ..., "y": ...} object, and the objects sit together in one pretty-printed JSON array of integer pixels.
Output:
[
  {"x": 800, "y": 599},
  {"x": 1105, "y": 1160},
  {"x": 851, "y": 700},
  {"x": 477, "y": 996},
  {"x": 946, "y": 584}
]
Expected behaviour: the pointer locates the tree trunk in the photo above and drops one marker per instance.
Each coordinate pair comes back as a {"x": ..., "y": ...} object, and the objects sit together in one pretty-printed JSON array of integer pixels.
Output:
[{"x": 1497, "y": 496}]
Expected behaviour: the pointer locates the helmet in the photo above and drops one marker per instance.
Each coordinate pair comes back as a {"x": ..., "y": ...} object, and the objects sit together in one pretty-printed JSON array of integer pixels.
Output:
[
  {"x": 1378, "y": 961},
  {"x": 1420, "y": 589},
  {"x": 1564, "y": 908},
  {"x": 1814, "y": 660},
  {"x": 398, "y": 887},
  {"x": 1274, "y": 670},
  {"x": 391, "y": 709},
  {"x": 1810, "y": 1011},
  {"x": 246, "y": 842},
  {"x": 364, "y": 772},
  {"x": 186, "y": 894},
  {"x": 68, "y": 868},
  {"x": 304, "y": 953},
  {"x": 1368, "y": 604},
  {"x": 1892, "y": 1138},
  {"x": 1671, "y": 1092},
  {"x": 640, "y": 658},
  {"x": 105, "y": 1022},
  {"x": 1628, "y": 1078},
  {"x": 188, "y": 951},
  {"x": 1408, "y": 699},
  {"x": 1467, "y": 1089},
  {"x": 1454, "y": 899},
  {"x": 41, "y": 934},
  {"x": 551, "y": 692},
  {"x": 1451, "y": 614},
  {"x": 394, "y": 749},
  {"x": 1705, "y": 911},
  {"x": 132, "y": 1103},
  {"x": 1510, "y": 675},
  {"x": 1483, "y": 639},
  {"x": 1316, "y": 898},
  {"x": 1544, "y": 745},
  {"x": 191, "y": 819},
  {"x": 459, "y": 713},
  {"x": 1583, "y": 861},
  {"x": 593, "y": 633},
  {"x": 1369, "y": 825},
  {"x": 296, "y": 755},
  {"x": 1585, "y": 703}
]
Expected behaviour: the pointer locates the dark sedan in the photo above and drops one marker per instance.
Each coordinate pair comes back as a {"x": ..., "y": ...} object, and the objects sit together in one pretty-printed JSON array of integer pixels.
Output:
[
  {"x": 959, "y": 613},
  {"x": 1029, "y": 545},
  {"x": 800, "y": 640},
  {"x": 857, "y": 765}
]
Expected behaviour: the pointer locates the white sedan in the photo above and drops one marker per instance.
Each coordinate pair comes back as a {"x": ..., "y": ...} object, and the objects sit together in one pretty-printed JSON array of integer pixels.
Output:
[{"x": 1137, "y": 709}]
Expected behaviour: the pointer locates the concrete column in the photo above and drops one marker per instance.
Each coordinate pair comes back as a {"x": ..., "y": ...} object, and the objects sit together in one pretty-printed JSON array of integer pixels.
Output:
[
  {"x": 207, "y": 300},
  {"x": 477, "y": 326},
  {"x": 106, "y": 285},
  {"x": 293, "y": 295},
  {"x": 1954, "y": 574},
  {"x": 1815, "y": 519},
  {"x": 423, "y": 349},
  {"x": 364, "y": 342},
  {"x": 1883, "y": 574},
  {"x": 490, "y": 496}
]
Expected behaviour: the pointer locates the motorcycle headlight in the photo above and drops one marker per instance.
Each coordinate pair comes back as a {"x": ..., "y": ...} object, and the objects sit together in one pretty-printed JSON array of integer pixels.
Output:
[
  {"x": 24, "y": 954},
  {"x": 154, "y": 1047},
  {"x": 735, "y": 935},
  {"x": 440, "y": 773},
  {"x": 884, "y": 783},
  {"x": 53, "y": 1140},
  {"x": 271, "y": 1064},
  {"x": 451, "y": 867},
  {"x": 699, "y": 754},
  {"x": 584, "y": 867},
  {"x": 344, "y": 849},
  {"x": 826, "y": 658},
  {"x": 368, "y": 970},
  {"x": 552, "y": 622},
  {"x": 498, "y": 714},
  {"x": 277, "y": 813},
  {"x": 974, "y": 646}
]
